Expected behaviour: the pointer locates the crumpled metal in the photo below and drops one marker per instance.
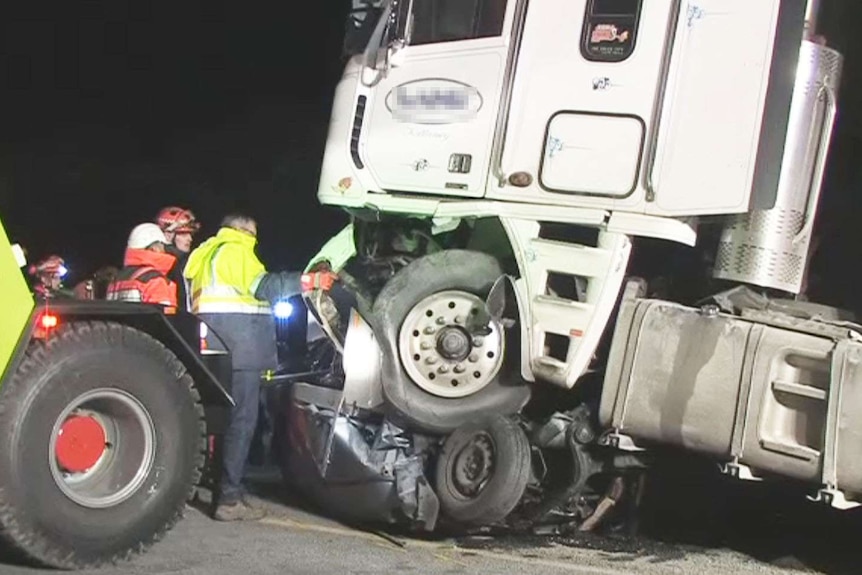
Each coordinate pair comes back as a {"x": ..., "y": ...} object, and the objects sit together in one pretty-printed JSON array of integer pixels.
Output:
[{"x": 369, "y": 471}]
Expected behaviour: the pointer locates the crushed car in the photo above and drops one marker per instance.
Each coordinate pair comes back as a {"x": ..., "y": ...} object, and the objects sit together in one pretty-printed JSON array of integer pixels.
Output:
[{"x": 339, "y": 444}]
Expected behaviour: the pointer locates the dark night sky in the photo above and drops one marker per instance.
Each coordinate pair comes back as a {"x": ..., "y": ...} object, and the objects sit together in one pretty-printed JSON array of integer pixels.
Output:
[{"x": 113, "y": 108}]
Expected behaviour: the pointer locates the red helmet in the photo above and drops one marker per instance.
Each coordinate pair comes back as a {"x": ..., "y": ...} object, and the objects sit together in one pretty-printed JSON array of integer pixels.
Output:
[
  {"x": 50, "y": 266},
  {"x": 177, "y": 220}
]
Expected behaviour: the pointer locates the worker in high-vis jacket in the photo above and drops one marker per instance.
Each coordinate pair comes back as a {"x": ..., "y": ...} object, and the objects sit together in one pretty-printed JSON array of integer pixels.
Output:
[{"x": 233, "y": 293}]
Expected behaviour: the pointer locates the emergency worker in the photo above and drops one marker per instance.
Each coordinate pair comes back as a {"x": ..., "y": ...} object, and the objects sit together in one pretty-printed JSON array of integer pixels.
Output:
[
  {"x": 145, "y": 267},
  {"x": 179, "y": 226},
  {"x": 233, "y": 293},
  {"x": 96, "y": 286},
  {"x": 49, "y": 274}
]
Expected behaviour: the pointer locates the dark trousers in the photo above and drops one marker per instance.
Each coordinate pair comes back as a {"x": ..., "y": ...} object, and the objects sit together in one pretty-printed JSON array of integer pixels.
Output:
[{"x": 237, "y": 440}]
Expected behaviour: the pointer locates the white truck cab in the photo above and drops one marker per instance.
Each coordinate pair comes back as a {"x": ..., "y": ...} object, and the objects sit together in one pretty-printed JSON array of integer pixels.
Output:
[{"x": 543, "y": 142}]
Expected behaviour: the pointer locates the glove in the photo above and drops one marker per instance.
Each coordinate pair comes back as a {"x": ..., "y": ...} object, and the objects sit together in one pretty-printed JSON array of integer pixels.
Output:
[
  {"x": 317, "y": 280},
  {"x": 320, "y": 266}
]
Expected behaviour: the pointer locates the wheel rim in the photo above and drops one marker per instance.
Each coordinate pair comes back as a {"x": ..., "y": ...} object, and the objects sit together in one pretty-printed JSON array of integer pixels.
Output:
[
  {"x": 438, "y": 353},
  {"x": 473, "y": 466},
  {"x": 102, "y": 448}
]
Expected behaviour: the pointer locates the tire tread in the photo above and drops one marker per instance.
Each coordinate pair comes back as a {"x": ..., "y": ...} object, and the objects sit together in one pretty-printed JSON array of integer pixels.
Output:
[{"x": 35, "y": 546}]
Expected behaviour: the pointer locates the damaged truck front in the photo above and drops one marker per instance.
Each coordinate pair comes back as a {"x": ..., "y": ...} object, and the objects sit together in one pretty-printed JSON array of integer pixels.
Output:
[{"x": 566, "y": 249}]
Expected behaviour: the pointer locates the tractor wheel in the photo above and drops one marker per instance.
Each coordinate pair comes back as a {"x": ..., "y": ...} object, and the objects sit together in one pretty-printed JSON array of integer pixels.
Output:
[
  {"x": 437, "y": 375},
  {"x": 482, "y": 471},
  {"x": 102, "y": 441}
]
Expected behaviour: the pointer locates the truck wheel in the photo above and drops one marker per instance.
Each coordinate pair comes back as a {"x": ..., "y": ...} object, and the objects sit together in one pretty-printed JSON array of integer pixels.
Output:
[
  {"x": 482, "y": 471},
  {"x": 436, "y": 375},
  {"x": 102, "y": 440}
]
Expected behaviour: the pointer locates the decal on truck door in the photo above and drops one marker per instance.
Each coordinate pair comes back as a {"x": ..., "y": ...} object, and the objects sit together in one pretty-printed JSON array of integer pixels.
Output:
[
  {"x": 434, "y": 101},
  {"x": 609, "y": 29}
]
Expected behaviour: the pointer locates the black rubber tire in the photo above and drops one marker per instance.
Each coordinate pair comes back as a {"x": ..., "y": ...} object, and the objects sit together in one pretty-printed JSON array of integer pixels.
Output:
[
  {"x": 507, "y": 483},
  {"x": 36, "y": 517},
  {"x": 407, "y": 403}
]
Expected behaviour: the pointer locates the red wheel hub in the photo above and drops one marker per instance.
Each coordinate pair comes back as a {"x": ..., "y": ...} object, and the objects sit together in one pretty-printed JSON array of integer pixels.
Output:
[{"x": 80, "y": 443}]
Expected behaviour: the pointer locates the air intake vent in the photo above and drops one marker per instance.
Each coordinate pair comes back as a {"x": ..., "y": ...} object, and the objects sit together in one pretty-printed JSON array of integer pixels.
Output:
[{"x": 357, "y": 132}]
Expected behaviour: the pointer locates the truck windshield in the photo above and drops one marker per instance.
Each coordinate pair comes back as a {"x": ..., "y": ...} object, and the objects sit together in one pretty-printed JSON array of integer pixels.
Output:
[
  {"x": 361, "y": 21},
  {"x": 452, "y": 20}
]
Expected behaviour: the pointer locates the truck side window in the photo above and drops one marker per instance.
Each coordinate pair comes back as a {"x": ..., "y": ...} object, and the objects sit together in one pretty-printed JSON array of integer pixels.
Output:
[
  {"x": 449, "y": 20},
  {"x": 610, "y": 27}
]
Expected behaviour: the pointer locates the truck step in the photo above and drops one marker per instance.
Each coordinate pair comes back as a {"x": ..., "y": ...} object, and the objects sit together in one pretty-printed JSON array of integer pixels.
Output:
[
  {"x": 573, "y": 259},
  {"x": 571, "y": 288},
  {"x": 561, "y": 316},
  {"x": 551, "y": 363}
]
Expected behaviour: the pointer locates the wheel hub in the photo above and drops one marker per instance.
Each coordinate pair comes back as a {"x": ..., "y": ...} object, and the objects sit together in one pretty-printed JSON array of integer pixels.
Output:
[
  {"x": 473, "y": 466},
  {"x": 80, "y": 443},
  {"x": 438, "y": 352},
  {"x": 102, "y": 448},
  {"x": 453, "y": 343}
]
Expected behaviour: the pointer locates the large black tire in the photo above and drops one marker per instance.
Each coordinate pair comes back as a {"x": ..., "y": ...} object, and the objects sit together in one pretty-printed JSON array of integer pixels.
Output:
[
  {"x": 409, "y": 404},
  {"x": 36, "y": 517},
  {"x": 509, "y": 472}
]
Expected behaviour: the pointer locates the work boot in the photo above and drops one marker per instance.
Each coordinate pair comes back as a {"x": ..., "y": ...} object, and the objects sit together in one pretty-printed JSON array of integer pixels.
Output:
[{"x": 239, "y": 511}]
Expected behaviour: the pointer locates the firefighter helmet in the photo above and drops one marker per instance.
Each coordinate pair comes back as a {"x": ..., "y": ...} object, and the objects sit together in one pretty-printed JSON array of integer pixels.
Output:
[
  {"x": 145, "y": 235},
  {"x": 177, "y": 220},
  {"x": 53, "y": 265}
]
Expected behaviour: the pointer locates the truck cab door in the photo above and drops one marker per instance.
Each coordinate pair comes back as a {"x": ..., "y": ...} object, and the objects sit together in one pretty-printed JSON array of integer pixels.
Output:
[{"x": 433, "y": 90}]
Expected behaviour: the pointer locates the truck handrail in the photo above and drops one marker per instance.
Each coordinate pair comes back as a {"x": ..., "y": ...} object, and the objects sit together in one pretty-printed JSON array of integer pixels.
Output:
[
  {"x": 652, "y": 144},
  {"x": 826, "y": 92}
]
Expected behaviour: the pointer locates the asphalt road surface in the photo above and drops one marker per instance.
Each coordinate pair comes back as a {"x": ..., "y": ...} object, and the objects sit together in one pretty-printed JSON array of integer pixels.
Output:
[{"x": 292, "y": 541}]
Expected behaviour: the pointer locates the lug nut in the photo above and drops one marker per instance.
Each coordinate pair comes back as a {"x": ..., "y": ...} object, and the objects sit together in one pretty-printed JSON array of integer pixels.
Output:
[
  {"x": 441, "y": 320},
  {"x": 478, "y": 341},
  {"x": 428, "y": 330},
  {"x": 443, "y": 369},
  {"x": 474, "y": 357},
  {"x": 431, "y": 359},
  {"x": 459, "y": 319},
  {"x": 459, "y": 369},
  {"x": 425, "y": 345}
]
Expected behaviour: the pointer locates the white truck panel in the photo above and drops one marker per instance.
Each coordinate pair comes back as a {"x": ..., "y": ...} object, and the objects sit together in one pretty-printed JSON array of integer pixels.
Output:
[
  {"x": 592, "y": 153},
  {"x": 714, "y": 105}
]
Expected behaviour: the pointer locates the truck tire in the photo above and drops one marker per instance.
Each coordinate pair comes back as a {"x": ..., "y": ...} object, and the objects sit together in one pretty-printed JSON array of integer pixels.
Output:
[
  {"x": 102, "y": 441},
  {"x": 482, "y": 471},
  {"x": 488, "y": 382}
]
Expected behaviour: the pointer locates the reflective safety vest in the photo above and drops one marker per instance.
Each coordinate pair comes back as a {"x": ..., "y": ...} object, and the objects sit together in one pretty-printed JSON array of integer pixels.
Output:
[
  {"x": 224, "y": 274},
  {"x": 142, "y": 284}
]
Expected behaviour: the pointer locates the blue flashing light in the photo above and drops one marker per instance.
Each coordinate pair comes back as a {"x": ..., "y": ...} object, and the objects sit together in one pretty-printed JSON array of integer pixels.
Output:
[{"x": 282, "y": 309}]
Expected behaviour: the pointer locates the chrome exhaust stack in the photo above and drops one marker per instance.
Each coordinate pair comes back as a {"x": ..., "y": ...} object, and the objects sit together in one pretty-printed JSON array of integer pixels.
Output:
[{"x": 771, "y": 248}]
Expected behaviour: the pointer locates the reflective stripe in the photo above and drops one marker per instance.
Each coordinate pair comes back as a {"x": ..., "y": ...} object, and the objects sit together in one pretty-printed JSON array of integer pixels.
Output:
[
  {"x": 133, "y": 295},
  {"x": 219, "y": 291},
  {"x": 231, "y": 307},
  {"x": 256, "y": 283},
  {"x": 188, "y": 294},
  {"x": 130, "y": 295},
  {"x": 206, "y": 297},
  {"x": 220, "y": 298}
]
